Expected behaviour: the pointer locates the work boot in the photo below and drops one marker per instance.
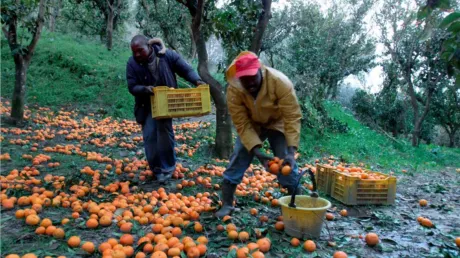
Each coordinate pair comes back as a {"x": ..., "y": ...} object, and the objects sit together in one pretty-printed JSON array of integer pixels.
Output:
[
  {"x": 228, "y": 193},
  {"x": 163, "y": 178}
]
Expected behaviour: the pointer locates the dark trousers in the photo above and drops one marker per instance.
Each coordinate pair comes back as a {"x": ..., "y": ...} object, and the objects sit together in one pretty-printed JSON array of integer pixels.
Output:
[{"x": 159, "y": 144}]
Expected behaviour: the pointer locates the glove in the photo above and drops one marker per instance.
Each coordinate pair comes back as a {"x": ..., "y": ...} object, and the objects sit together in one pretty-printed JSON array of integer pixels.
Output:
[
  {"x": 290, "y": 157},
  {"x": 263, "y": 158},
  {"x": 150, "y": 89},
  {"x": 198, "y": 83}
]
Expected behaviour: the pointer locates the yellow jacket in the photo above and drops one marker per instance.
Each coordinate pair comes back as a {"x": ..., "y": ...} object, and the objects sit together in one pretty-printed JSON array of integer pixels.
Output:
[{"x": 276, "y": 107}]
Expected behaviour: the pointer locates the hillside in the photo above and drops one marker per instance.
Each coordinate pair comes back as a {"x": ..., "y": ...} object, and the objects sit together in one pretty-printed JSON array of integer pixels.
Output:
[{"x": 82, "y": 74}]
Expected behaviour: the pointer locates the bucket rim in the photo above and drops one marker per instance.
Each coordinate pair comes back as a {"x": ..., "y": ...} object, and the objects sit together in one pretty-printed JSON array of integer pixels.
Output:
[{"x": 327, "y": 206}]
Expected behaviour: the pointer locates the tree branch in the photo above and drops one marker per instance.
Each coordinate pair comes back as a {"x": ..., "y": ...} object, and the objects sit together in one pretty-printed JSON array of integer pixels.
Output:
[
  {"x": 146, "y": 6},
  {"x": 5, "y": 31},
  {"x": 38, "y": 28},
  {"x": 109, "y": 5},
  {"x": 261, "y": 26}
]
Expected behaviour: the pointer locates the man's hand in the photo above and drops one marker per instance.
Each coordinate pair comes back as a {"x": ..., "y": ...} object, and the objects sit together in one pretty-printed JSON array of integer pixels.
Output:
[
  {"x": 263, "y": 158},
  {"x": 290, "y": 157},
  {"x": 198, "y": 83},
  {"x": 150, "y": 89}
]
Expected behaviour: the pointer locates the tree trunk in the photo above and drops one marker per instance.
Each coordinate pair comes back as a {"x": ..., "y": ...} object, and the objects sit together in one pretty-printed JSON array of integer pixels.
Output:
[
  {"x": 261, "y": 26},
  {"x": 22, "y": 61},
  {"x": 223, "y": 121},
  {"x": 109, "y": 30},
  {"x": 414, "y": 104},
  {"x": 192, "y": 44},
  {"x": 451, "y": 132},
  {"x": 19, "y": 92},
  {"x": 55, "y": 8}
]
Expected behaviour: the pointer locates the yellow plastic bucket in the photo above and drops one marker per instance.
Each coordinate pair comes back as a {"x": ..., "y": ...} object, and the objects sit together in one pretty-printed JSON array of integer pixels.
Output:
[{"x": 306, "y": 220}]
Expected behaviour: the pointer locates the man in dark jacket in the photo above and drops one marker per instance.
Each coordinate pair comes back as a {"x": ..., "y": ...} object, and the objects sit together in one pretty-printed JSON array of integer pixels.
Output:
[{"x": 153, "y": 65}]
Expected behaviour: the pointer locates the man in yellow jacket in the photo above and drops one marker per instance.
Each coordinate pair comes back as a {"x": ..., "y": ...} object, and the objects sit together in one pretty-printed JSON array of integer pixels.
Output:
[{"x": 263, "y": 105}]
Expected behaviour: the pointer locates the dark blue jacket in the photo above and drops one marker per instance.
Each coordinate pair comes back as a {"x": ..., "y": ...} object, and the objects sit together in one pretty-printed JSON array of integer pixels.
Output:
[{"x": 139, "y": 76}]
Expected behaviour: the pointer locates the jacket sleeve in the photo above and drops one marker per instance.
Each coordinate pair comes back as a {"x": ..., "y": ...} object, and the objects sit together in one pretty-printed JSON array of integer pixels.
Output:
[
  {"x": 133, "y": 86},
  {"x": 241, "y": 120},
  {"x": 182, "y": 68},
  {"x": 290, "y": 111}
]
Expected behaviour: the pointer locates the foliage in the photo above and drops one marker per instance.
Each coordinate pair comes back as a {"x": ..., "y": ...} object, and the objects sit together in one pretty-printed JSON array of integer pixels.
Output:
[
  {"x": 167, "y": 20},
  {"x": 23, "y": 16},
  {"x": 89, "y": 18},
  {"x": 446, "y": 110},
  {"x": 414, "y": 56},
  {"x": 451, "y": 24},
  {"x": 235, "y": 25},
  {"x": 317, "y": 50}
]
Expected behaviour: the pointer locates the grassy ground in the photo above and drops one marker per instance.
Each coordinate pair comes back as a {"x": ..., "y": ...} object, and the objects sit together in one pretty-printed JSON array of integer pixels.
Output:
[{"x": 362, "y": 144}]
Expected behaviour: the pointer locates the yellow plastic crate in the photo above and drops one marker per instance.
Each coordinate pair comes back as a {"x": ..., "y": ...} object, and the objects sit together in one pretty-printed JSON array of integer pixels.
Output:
[
  {"x": 356, "y": 191},
  {"x": 170, "y": 103},
  {"x": 324, "y": 175}
]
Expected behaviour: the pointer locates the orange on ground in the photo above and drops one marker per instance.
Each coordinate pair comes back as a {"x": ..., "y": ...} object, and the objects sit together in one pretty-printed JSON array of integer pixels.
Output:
[
  {"x": 202, "y": 240},
  {"x": 372, "y": 239},
  {"x": 279, "y": 226},
  {"x": 264, "y": 244},
  {"x": 340, "y": 254},
  {"x": 88, "y": 247},
  {"x": 243, "y": 236},
  {"x": 242, "y": 252},
  {"x": 193, "y": 252},
  {"x": 232, "y": 235},
  {"x": 127, "y": 239},
  {"x": 32, "y": 220},
  {"x": 92, "y": 223},
  {"x": 104, "y": 246},
  {"x": 427, "y": 223},
  {"x": 258, "y": 254},
  {"x": 252, "y": 246},
  {"x": 309, "y": 246},
  {"x": 59, "y": 233},
  {"x": 74, "y": 241},
  {"x": 295, "y": 242},
  {"x": 423, "y": 202}
]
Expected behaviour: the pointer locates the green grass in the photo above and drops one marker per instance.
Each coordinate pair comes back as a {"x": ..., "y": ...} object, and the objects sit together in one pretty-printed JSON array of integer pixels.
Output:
[{"x": 362, "y": 144}]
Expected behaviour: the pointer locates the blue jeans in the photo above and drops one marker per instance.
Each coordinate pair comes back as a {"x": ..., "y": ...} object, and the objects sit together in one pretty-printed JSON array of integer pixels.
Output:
[
  {"x": 159, "y": 144},
  {"x": 241, "y": 159}
]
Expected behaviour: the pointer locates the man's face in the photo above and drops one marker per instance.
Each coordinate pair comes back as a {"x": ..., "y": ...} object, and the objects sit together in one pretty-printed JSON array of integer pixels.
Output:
[
  {"x": 141, "y": 52},
  {"x": 252, "y": 83}
]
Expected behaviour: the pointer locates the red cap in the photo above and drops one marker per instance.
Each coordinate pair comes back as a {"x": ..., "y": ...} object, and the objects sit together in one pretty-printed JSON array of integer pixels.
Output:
[{"x": 247, "y": 65}]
